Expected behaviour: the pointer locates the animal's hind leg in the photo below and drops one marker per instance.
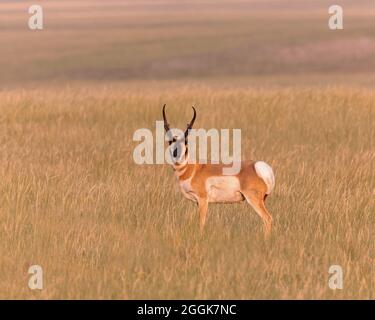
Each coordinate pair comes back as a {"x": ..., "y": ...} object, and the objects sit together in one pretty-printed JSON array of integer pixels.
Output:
[{"x": 256, "y": 200}]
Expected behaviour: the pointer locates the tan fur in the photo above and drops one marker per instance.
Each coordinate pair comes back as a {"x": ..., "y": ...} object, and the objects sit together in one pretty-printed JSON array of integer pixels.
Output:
[{"x": 193, "y": 184}]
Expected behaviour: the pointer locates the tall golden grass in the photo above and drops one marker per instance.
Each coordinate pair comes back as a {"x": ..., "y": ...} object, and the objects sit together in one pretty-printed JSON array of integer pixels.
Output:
[{"x": 73, "y": 201}]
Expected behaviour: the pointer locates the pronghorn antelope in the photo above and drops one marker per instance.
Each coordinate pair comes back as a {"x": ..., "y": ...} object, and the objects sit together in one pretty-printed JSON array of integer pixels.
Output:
[{"x": 205, "y": 183}]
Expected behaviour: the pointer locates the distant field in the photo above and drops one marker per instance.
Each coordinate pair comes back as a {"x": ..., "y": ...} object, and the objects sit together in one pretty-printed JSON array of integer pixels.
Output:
[
  {"x": 126, "y": 40},
  {"x": 73, "y": 201}
]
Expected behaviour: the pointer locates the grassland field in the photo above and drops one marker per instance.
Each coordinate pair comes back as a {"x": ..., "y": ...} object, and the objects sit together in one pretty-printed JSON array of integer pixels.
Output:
[{"x": 73, "y": 201}]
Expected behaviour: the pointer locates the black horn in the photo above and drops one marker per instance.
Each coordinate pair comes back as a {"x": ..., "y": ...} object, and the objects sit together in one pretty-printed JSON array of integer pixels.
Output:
[
  {"x": 166, "y": 125},
  {"x": 190, "y": 125}
]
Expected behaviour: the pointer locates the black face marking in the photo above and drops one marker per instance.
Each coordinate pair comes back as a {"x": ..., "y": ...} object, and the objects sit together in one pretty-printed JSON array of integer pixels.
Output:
[{"x": 175, "y": 152}]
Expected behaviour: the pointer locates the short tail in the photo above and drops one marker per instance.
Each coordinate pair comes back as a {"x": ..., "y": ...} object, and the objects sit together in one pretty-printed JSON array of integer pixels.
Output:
[{"x": 265, "y": 172}]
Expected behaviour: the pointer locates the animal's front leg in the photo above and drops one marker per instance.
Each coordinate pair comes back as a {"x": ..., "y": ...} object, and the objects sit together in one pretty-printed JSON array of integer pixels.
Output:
[{"x": 203, "y": 206}]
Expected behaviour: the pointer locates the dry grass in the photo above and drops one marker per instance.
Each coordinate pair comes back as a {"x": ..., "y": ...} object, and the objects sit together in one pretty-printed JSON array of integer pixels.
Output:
[{"x": 74, "y": 202}]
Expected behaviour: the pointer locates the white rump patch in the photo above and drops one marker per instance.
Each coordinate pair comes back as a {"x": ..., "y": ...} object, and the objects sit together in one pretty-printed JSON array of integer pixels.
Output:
[{"x": 265, "y": 172}]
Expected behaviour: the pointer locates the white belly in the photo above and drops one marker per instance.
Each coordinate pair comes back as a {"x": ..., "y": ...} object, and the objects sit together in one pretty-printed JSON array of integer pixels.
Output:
[{"x": 223, "y": 189}]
